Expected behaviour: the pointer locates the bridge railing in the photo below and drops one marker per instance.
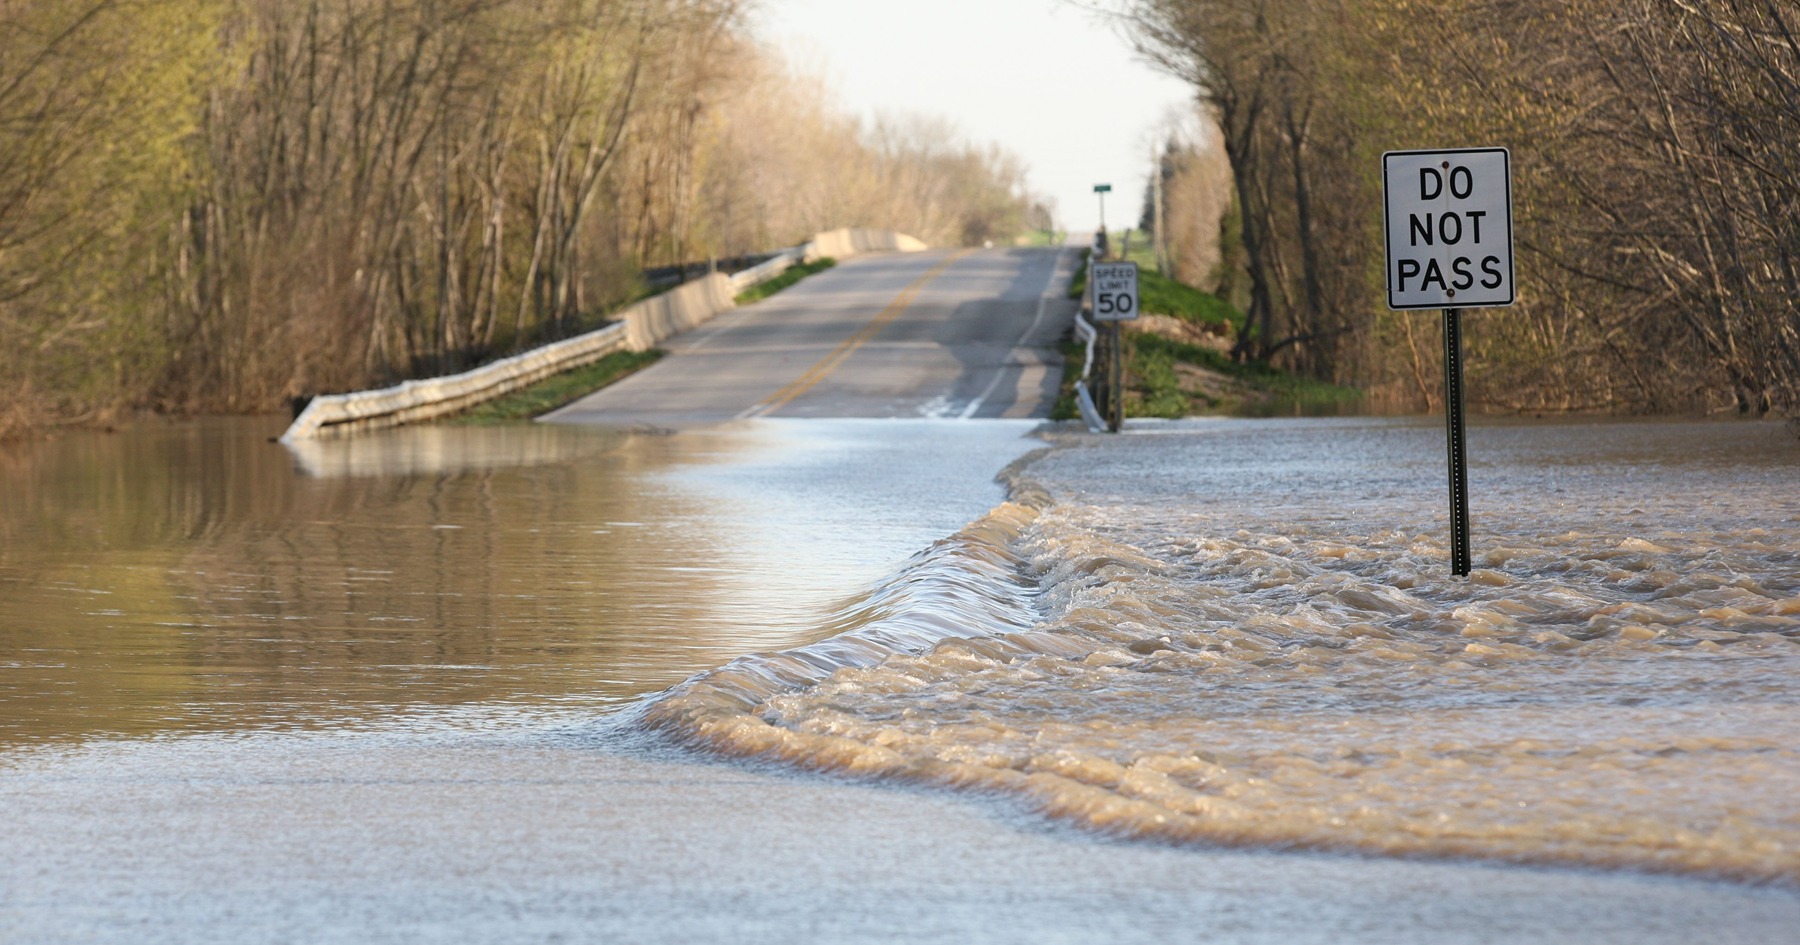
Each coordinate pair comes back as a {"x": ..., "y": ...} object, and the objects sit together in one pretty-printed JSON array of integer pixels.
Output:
[
  {"x": 637, "y": 328},
  {"x": 1084, "y": 329},
  {"x": 768, "y": 269},
  {"x": 412, "y": 401}
]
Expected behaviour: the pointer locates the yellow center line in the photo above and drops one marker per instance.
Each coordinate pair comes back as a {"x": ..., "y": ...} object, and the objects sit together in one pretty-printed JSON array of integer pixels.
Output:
[{"x": 829, "y": 363}]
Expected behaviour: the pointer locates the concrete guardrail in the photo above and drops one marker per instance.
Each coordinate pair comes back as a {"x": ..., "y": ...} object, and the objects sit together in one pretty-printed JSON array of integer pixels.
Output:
[
  {"x": 841, "y": 244},
  {"x": 638, "y": 328}
]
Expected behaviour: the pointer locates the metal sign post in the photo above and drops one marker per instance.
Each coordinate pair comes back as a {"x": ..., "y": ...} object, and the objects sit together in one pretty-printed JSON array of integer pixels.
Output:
[
  {"x": 1448, "y": 220},
  {"x": 1115, "y": 287},
  {"x": 1103, "y": 190},
  {"x": 1115, "y": 378},
  {"x": 1458, "y": 443}
]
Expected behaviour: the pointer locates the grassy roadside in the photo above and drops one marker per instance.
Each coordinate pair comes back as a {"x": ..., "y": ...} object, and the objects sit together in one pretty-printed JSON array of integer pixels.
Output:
[
  {"x": 1178, "y": 364},
  {"x": 553, "y": 392},
  {"x": 1073, "y": 354},
  {"x": 1078, "y": 285},
  {"x": 1171, "y": 377},
  {"x": 788, "y": 277}
]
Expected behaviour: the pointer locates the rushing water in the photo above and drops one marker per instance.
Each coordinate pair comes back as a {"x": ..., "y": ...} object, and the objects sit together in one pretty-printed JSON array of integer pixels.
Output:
[
  {"x": 1245, "y": 633},
  {"x": 398, "y": 687}
]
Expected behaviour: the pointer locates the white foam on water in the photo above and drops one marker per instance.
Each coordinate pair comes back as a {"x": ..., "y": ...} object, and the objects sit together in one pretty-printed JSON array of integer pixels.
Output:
[{"x": 1151, "y": 651}]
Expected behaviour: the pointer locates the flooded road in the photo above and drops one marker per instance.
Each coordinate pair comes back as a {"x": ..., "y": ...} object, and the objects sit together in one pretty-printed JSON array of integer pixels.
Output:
[
  {"x": 1245, "y": 633},
  {"x": 411, "y": 686},
  {"x": 199, "y": 578}
]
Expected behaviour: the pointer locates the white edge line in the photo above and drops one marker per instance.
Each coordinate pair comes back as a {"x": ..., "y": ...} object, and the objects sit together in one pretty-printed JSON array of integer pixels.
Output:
[{"x": 1000, "y": 372}]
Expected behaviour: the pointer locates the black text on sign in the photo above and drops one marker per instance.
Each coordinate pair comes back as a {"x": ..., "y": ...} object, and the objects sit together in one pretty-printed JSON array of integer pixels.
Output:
[
  {"x": 1115, "y": 291},
  {"x": 1449, "y": 228}
]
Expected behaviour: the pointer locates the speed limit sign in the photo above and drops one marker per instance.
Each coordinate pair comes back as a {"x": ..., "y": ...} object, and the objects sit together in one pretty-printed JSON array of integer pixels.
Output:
[{"x": 1115, "y": 291}]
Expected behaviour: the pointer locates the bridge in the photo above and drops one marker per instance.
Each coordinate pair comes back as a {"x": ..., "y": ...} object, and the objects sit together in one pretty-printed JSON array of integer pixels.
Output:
[
  {"x": 895, "y": 330},
  {"x": 942, "y": 333}
]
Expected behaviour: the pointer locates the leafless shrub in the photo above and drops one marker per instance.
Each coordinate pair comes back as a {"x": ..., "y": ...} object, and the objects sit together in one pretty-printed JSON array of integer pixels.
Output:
[{"x": 1655, "y": 149}]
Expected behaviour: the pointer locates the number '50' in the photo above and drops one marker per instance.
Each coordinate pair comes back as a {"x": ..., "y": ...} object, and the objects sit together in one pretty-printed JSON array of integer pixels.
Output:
[{"x": 1108, "y": 303}]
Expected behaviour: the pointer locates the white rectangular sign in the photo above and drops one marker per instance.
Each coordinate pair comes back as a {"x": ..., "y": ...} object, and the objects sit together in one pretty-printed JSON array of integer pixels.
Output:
[
  {"x": 1115, "y": 291},
  {"x": 1449, "y": 228}
]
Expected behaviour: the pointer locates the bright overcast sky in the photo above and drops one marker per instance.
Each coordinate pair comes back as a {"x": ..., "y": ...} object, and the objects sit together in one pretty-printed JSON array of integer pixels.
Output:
[{"x": 1042, "y": 78}]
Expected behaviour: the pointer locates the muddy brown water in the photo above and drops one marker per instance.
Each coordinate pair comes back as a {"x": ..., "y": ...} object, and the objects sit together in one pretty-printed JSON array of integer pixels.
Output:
[
  {"x": 419, "y": 685},
  {"x": 197, "y": 577}
]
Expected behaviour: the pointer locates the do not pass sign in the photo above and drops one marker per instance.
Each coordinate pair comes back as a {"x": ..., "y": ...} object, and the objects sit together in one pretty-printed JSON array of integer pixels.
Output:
[{"x": 1449, "y": 228}]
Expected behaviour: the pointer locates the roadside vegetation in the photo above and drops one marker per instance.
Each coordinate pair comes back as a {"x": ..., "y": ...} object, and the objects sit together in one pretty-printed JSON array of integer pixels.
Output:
[
  {"x": 1074, "y": 353},
  {"x": 1178, "y": 356},
  {"x": 1170, "y": 378},
  {"x": 788, "y": 277},
  {"x": 1656, "y": 171},
  {"x": 557, "y": 391},
  {"x": 1162, "y": 293},
  {"x": 216, "y": 205}
]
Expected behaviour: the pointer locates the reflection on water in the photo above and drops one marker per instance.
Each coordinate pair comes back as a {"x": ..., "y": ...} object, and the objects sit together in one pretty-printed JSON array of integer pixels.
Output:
[
  {"x": 1247, "y": 634},
  {"x": 199, "y": 576},
  {"x": 434, "y": 450}
]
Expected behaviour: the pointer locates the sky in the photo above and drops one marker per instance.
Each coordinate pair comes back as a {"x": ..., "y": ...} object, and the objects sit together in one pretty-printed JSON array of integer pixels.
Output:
[{"x": 1044, "y": 79}]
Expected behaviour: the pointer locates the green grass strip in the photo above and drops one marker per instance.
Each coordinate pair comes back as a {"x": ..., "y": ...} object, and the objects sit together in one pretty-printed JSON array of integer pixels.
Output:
[
  {"x": 1155, "y": 389},
  {"x": 1078, "y": 285},
  {"x": 1074, "y": 354},
  {"x": 557, "y": 391},
  {"x": 1160, "y": 295},
  {"x": 788, "y": 277},
  {"x": 1154, "y": 363}
]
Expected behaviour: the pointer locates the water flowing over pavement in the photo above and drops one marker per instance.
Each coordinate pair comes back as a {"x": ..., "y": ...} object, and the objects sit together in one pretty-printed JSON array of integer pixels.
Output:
[
  {"x": 1244, "y": 633},
  {"x": 417, "y": 686},
  {"x": 197, "y": 578}
]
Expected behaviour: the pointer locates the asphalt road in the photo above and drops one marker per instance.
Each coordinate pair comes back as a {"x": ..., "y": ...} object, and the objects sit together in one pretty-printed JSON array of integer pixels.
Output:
[{"x": 958, "y": 334}]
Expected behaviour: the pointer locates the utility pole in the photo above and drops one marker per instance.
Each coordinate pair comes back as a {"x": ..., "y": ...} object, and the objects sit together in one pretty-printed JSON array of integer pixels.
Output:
[{"x": 1156, "y": 211}]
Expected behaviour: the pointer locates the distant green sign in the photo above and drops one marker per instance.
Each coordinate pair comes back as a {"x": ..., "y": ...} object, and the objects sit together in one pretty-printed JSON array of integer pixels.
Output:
[{"x": 1103, "y": 188}]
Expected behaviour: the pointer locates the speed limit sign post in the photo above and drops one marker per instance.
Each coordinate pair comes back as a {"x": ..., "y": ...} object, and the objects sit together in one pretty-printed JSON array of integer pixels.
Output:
[{"x": 1115, "y": 300}]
